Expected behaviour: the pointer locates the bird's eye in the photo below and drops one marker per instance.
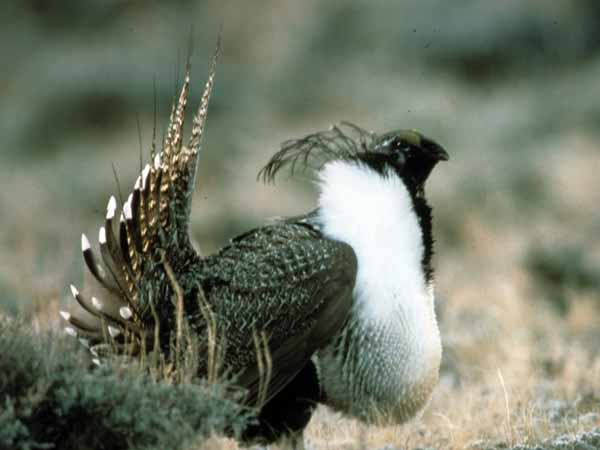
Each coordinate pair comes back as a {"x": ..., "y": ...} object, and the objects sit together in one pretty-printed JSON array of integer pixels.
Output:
[
  {"x": 400, "y": 147},
  {"x": 400, "y": 157}
]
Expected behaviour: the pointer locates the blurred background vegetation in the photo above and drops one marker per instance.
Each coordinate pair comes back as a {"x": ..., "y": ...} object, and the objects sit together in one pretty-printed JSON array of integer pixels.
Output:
[{"x": 511, "y": 89}]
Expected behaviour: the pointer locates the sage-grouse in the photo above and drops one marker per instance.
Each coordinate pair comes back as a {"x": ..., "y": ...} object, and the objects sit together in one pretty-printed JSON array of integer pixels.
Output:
[{"x": 335, "y": 306}]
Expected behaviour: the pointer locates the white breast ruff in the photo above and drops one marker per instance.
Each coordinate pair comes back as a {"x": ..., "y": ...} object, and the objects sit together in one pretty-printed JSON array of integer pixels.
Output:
[{"x": 374, "y": 214}]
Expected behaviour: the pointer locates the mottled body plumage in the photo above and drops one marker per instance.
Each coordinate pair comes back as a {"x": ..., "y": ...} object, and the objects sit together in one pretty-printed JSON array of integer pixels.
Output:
[{"x": 280, "y": 278}]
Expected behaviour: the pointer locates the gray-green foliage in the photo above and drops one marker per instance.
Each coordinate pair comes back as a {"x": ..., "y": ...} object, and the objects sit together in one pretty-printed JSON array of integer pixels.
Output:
[
  {"x": 587, "y": 440},
  {"x": 558, "y": 268},
  {"x": 50, "y": 397}
]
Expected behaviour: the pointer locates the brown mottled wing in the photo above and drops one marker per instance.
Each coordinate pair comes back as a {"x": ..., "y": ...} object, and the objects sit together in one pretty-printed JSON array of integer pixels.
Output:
[{"x": 285, "y": 282}]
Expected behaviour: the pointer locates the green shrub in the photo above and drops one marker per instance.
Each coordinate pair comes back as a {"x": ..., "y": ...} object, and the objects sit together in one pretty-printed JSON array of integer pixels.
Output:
[
  {"x": 52, "y": 397},
  {"x": 557, "y": 269}
]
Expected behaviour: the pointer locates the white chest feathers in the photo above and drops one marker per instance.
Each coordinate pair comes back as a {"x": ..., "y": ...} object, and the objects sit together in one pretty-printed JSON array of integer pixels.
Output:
[
  {"x": 393, "y": 334},
  {"x": 374, "y": 214}
]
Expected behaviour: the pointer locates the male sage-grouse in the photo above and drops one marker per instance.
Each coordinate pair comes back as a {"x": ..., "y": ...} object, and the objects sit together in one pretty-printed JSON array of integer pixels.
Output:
[{"x": 334, "y": 307}]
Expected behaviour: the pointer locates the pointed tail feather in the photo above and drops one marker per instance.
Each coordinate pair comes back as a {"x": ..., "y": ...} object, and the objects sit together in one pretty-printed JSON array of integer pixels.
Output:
[{"x": 128, "y": 290}]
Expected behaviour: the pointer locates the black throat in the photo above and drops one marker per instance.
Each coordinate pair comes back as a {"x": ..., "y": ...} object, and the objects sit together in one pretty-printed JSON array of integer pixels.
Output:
[
  {"x": 416, "y": 190},
  {"x": 423, "y": 211}
]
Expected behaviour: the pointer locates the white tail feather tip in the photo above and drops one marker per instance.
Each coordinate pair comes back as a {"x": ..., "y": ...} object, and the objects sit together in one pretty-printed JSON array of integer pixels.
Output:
[
  {"x": 157, "y": 161},
  {"x": 145, "y": 173},
  {"x": 96, "y": 361},
  {"x": 127, "y": 208},
  {"x": 111, "y": 207},
  {"x": 85, "y": 243},
  {"x": 97, "y": 303},
  {"x": 113, "y": 331},
  {"x": 65, "y": 315},
  {"x": 74, "y": 291},
  {"x": 102, "y": 235},
  {"x": 125, "y": 312},
  {"x": 71, "y": 331}
]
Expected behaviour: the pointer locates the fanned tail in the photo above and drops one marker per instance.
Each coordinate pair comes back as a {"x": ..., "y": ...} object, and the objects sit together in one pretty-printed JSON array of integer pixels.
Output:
[{"x": 128, "y": 302}]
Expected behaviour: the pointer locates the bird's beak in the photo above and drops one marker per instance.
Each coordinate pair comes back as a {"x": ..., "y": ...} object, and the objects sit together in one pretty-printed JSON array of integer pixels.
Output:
[
  {"x": 438, "y": 153},
  {"x": 432, "y": 150}
]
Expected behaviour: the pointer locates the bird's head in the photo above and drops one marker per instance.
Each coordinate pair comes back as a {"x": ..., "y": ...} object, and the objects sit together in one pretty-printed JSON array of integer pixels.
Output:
[
  {"x": 406, "y": 152},
  {"x": 410, "y": 154}
]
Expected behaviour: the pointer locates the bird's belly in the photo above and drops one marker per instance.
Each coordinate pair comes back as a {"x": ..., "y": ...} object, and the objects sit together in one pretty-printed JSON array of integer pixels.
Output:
[{"x": 381, "y": 372}]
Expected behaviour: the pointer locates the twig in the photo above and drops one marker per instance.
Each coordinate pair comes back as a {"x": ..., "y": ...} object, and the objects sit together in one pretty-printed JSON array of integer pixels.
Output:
[
  {"x": 507, "y": 407},
  {"x": 179, "y": 305}
]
